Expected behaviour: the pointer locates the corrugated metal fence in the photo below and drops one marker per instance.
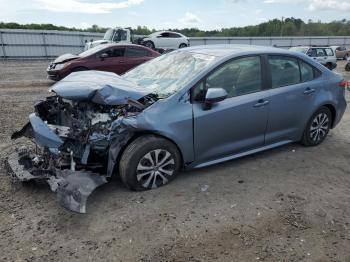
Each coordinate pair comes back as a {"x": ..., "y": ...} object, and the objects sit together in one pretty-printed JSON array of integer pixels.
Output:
[
  {"x": 282, "y": 42},
  {"x": 47, "y": 44},
  {"x": 42, "y": 43}
]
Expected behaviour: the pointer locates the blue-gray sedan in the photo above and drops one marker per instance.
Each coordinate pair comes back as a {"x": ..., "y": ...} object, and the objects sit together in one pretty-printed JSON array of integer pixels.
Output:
[{"x": 189, "y": 108}]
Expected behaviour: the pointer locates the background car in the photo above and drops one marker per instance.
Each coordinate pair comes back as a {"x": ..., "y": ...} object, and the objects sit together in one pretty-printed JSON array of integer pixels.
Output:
[
  {"x": 341, "y": 52},
  {"x": 323, "y": 55},
  {"x": 166, "y": 40},
  {"x": 116, "y": 58}
]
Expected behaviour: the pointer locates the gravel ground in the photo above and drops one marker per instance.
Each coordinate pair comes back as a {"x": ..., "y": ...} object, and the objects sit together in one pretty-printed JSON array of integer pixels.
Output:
[{"x": 286, "y": 204}]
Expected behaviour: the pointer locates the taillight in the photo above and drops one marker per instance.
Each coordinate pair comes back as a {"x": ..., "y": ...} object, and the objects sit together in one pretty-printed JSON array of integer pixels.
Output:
[{"x": 344, "y": 83}]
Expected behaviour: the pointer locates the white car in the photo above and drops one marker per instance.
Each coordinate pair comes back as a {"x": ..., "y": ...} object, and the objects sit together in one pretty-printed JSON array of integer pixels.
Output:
[{"x": 166, "y": 40}]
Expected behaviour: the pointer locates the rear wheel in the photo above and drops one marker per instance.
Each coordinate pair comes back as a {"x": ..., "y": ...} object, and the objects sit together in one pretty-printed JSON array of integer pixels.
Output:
[
  {"x": 148, "y": 163},
  {"x": 318, "y": 127},
  {"x": 329, "y": 66}
]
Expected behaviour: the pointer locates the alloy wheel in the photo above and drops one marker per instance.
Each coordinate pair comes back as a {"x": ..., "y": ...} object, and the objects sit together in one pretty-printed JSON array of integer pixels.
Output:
[
  {"x": 155, "y": 168},
  {"x": 319, "y": 127}
]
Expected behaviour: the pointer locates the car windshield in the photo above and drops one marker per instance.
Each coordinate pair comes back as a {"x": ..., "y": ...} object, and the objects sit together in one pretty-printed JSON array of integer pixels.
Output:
[
  {"x": 109, "y": 34},
  {"x": 299, "y": 49},
  {"x": 167, "y": 74},
  {"x": 92, "y": 51}
]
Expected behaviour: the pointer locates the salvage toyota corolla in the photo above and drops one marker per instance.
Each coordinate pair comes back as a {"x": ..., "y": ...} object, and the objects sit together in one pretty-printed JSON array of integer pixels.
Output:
[{"x": 190, "y": 108}]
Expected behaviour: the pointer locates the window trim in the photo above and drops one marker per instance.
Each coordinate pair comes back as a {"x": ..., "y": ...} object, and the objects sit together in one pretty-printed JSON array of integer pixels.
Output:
[
  {"x": 298, "y": 59},
  {"x": 264, "y": 77}
]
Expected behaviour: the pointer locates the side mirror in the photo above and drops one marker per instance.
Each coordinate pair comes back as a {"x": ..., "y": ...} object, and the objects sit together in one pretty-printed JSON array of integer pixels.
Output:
[
  {"x": 214, "y": 95},
  {"x": 103, "y": 56}
]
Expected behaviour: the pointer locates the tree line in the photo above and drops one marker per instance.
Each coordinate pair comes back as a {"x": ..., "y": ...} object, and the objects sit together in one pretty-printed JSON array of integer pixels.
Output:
[{"x": 276, "y": 27}]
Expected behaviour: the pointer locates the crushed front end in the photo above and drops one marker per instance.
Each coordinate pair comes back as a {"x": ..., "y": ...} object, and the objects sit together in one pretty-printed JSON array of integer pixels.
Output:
[{"x": 76, "y": 141}]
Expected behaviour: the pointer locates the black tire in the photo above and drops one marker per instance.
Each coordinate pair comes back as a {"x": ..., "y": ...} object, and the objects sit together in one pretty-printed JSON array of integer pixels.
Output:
[
  {"x": 182, "y": 45},
  {"x": 329, "y": 66},
  {"x": 315, "y": 134},
  {"x": 347, "y": 67},
  {"x": 346, "y": 57},
  {"x": 79, "y": 68},
  {"x": 136, "y": 161},
  {"x": 149, "y": 44}
]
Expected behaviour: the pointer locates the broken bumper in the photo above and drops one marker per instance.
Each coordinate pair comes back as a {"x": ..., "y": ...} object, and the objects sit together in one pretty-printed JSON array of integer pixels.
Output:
[{"x": 72, "y": 187}]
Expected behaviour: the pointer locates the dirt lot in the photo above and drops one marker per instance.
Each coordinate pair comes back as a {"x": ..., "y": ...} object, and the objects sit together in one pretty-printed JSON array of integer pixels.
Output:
[{"x": 287, "y": 204}]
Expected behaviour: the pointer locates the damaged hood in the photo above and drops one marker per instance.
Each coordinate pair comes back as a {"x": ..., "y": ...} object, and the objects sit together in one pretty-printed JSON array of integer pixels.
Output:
[
  {"x": 65, "y": 58},
  {"x": 98, "y": 87}
]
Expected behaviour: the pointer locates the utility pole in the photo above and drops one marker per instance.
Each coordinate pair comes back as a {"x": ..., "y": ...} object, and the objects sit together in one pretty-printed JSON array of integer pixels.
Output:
[{"x": 282, "y": 26}]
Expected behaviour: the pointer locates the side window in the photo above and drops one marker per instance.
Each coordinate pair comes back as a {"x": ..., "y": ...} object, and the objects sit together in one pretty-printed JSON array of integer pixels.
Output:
[
  {"x": 109, "y": 52},
  {"x": 307, "y": 72},
  {"x": 173, "y": 35},
  {"x": 329, "y": 52},
  {"x": 136, "y": 52},
  {"x": 238, "y": 77},
  {"x": 118, "y": 52},
  {"x": 312, "y": 52},
  {"x": 164, "y": 35},
  {"x": 320, "y": 52},
  {"x": 284, "y": 71}
]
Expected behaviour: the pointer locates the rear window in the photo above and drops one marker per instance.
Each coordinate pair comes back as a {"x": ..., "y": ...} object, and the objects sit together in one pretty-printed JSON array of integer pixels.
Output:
[{"x": 329, "y": 51}]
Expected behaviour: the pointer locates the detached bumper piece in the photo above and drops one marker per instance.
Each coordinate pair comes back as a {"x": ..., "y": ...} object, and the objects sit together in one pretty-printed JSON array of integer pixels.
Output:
[{"x": 72, "y": 187}]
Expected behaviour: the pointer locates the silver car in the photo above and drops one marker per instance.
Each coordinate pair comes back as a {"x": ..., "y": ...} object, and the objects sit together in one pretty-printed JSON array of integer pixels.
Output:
[
  {"x": 191, "y": 108},
  {"x": 324, "y": 55}
]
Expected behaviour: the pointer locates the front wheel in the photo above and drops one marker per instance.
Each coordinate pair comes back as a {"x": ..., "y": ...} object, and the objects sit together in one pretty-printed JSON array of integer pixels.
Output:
[
  {"x": 318, "y": 127},
  {"x": 149, "y": 44},
  {"x": 79, "y": 69},
  {"x": 347, "y": 67},
  {"x": 148, "y": 163},
  {"x": 182, "y": 45}
]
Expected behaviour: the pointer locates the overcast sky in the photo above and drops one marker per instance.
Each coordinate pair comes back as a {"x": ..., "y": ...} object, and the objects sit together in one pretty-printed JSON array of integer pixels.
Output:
[{"x": 161, "y": 14}]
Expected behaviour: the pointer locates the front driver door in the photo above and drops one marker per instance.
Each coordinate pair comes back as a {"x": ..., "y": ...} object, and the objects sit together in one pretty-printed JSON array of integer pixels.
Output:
[
  {"x": 238, "y": 123},
  {"x": 113, "y": 62}
]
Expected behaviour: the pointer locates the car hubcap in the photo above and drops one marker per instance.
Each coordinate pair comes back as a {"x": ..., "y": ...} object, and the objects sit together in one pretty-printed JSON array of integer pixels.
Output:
[
  {"x": 319, "y": 127},
  {"x": 155, "y": 168}
]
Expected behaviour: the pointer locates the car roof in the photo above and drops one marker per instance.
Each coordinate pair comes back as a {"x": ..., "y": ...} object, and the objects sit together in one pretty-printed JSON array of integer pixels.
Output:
[
  {"x": 314, "y": 46},
  {"x": 122, "y": 44},
  {"x": 228, "y": 50}
]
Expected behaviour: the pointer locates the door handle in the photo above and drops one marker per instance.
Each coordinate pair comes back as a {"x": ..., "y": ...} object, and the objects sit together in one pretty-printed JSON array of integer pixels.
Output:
[
  {"x": 309, "y": 91},
  {"x": 261, "y": 103}
]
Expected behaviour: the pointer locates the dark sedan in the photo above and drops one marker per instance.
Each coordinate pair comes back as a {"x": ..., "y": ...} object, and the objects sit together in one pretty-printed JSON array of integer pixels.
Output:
[{"x": 116, "y": 58}]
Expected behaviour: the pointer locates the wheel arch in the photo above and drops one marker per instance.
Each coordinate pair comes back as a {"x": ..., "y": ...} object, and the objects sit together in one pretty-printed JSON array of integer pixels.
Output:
[
  {"x": 144, "y": 133},
  {"x": 333, "y": 112},
  {"x": 78, "y": 66}
]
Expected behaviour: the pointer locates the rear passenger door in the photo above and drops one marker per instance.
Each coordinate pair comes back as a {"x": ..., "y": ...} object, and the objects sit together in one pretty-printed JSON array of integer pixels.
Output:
[
  {"x": 294, "y": 85},
  {"x": 136, "y": 56}
]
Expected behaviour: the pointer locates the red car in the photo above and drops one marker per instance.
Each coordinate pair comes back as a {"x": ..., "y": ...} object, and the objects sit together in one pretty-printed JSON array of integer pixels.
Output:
[{"x": 116, "y": 58}]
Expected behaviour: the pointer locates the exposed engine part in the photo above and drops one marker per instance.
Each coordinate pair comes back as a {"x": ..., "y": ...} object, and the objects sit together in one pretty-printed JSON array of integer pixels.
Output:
[{"x": 78, "y": 140}]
